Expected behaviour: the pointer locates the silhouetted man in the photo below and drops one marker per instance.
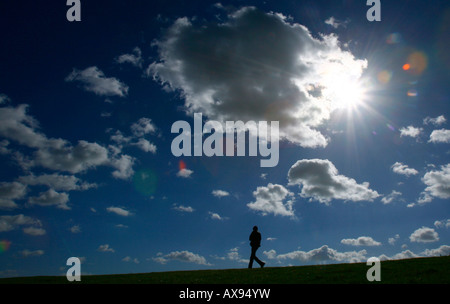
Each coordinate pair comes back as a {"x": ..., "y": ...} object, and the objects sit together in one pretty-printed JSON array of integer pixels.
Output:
[{"x": 255, "y": 242}]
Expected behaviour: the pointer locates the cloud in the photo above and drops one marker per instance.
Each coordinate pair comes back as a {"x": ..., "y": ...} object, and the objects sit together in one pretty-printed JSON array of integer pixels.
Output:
[
  {"x": 9, "y": 192},
  {"x": 220, "y": 193},
  {"x": 320, "y": 255},
  {"x": 142, "y": 127},
  {"x": 402, "y": 169},
  {"x": 12, "y": 222},
  {"x": 129, "y": 259},
  {"x": 438, "y": 184},
  {"x": 34, "y": 231},
  {"x": 435, "y": 121},
  {"x": 361, "y": 241},
  {"x": 105, "y": 248},
  {"x": 185, "y": 173},
  {"x": 50, "y": 153},
  {"x": 124, "y": 166},
  {"x": 390, "y": 197},
  {"x": 51, "y": 198},
  {"x": 410, "y": 131},
  {"x": 336, "y": 23},
  {"x": 216, "y": 216},
  {"x": 135, "y": 58},
  {"x": 443, "y": 250},
  {"x": 394, "y": 239},
  {"x": 94, "y": 80},
  {"x": 182, "y": 208},
  {"x": 440, "y": 136},
  {"x": 31, "y": 253},
  {"x": 270, "y": 200},
  {"x": 407, "y": 254},
  {"x": 256, "y": 66},
  {"x": 57, "y": 182},
  {"x": 319, "y": 180},
  {"x": 424, "y": 235},
  {"x": 443, "y": 223},
  {"x": 119, "y": 211},
  {"x": 183, "y": 256},
  {"x": 146, "y": 146},
  {"x": 4, "y": 99}
]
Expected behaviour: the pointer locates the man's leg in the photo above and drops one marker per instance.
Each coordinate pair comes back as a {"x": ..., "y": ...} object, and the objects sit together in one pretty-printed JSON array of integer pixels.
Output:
[
  {"x": 261, "y": 263},
  {"x": 252, "y": 257}
]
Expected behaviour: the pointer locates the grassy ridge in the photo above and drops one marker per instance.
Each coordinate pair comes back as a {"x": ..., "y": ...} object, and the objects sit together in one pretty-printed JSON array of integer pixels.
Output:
[{"x": 418, "y": 270}]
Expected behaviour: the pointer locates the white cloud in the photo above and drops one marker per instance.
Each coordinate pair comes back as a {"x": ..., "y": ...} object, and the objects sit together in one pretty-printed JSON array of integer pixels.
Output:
[
  {"x": 31, "y": 253},
  {"x": 407, "y": 254},
  {"x": 135, "y": 58},
  {"x": 183, "y": 256},
  {"x": 424, "y": 235},
  {"x": 235, "y": 71},
  {"x": 320, "y": 255},
  {"x": 336, "y": 23},
  {"x": 35, "y": 231},
  {"x": 146, "y": 146},
  {"x": 443, "y": 250},
  {"x": 142, "y": 127},
  {"x": 361, "y": 241},
  {"x": 443, "y": 223},
  {"x": 4, "y": 99},
  {"x": 105, "y": 248},
  {"x": 394, "y": 239},
  {"x": 440, "y": 136},
  {"x": 12, "y": 222},
  {"x": 182, "y": 208},
  {"x": 220, "y": 193},
  {"x": 124, "y": 166},
  {"x": 319, "y": 180},
  {"x": 391, "y": 197},
  {"x": 51, "y": 198},
  {"x": 9, "y": 192},
  {"x": 437, "y": 121},
  {"x": 216, "y": 216},
  {"x": 119, "y": 211},
  {"x": 410, "y": 131},
  {"x": 185, "y": 173},
  {"x": 57, "y": 182},
  {"x": 75, "y": 229},
  {"x": 130, "y": 259},
  {"x": 270, "y": 200},
  {"x": 94, "y": 80},
  {"x": 438, "y": 184},
  {"x": 402, "y": 169}
]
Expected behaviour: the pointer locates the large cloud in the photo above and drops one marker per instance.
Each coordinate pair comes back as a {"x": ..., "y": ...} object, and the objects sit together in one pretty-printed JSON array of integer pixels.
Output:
[
  {"x": 255, "y": 66},
  {"x": 183, "y": 256},
  {"x": 59, "y": 154},
  {"x": 94, "y": 80},
  {"x": 438, "y": 183},
  {"x": 270, "y": 200},
  {"x": 320, "y": 255},
  {"x": 319, "y": 180}
]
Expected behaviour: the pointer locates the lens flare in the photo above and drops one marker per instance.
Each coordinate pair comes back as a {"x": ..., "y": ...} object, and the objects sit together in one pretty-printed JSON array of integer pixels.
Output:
[
  {"x": 145, "y": 181},
  {"x": 406, "y": 66},
  {"x": 4, "y": 245}
]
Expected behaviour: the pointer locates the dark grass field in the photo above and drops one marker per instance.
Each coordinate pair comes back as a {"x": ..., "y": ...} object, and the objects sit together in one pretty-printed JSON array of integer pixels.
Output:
[{"x": 434, "y": 270}]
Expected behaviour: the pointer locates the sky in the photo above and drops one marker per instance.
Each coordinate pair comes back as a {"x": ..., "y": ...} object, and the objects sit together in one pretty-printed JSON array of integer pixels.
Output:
[{"x": 88, "y": 168}]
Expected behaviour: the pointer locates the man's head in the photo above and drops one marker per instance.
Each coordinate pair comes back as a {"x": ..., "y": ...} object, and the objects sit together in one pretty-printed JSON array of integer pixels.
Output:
[{"x": 255, "y": 228}]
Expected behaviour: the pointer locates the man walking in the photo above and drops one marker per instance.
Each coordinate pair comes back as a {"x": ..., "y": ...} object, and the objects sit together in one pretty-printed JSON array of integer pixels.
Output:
[{"x": 255, "y": 243}]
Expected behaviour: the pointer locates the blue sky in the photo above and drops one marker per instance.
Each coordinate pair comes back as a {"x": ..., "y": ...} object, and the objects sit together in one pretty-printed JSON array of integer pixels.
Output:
[{"x": 86, "y": 110}]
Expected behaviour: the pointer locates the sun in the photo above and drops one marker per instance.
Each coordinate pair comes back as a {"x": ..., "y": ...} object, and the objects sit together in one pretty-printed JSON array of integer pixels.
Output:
[{"x": 345, "y": 92}]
